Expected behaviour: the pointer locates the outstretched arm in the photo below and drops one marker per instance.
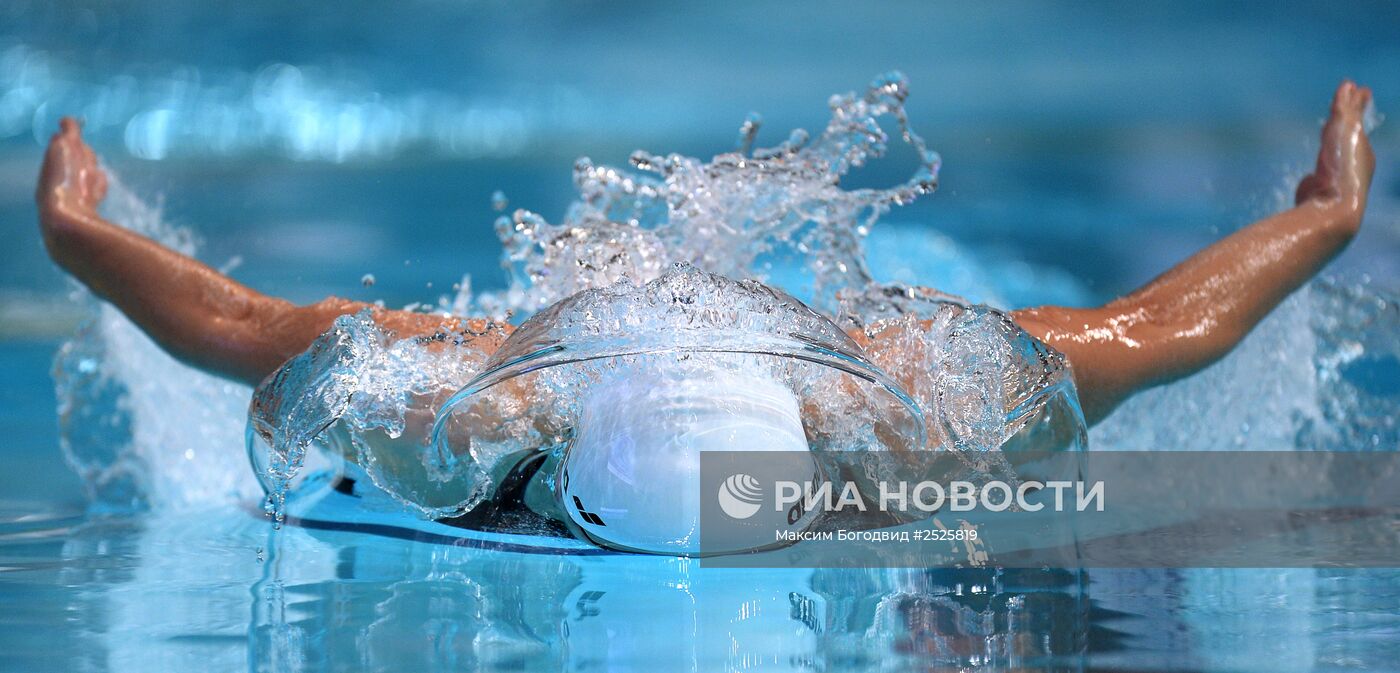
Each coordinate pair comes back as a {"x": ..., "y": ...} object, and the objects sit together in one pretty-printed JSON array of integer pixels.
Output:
[
  {"x": 195, "y": 313},
  {"x": 1195, "y": 313}
]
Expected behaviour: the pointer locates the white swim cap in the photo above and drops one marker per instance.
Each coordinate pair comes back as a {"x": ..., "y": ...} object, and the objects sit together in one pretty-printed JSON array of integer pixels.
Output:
[
  {"x": 637, "y": 381},
  {"x": 631, "y": 477}
]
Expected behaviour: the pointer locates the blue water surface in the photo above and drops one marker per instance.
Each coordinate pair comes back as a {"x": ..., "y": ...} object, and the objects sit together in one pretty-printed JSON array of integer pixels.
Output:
[{"x": 1087, "y": 147}]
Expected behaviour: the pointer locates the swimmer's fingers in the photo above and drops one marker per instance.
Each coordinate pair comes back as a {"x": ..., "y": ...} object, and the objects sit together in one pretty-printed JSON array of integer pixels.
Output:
[
  {"x": 71, "y": 175},
  {"x": 94, "y": 179},
  {"x": 1350, "y": 98},
  {"x": 1346, "y": 145},
  {"x": 1344, "y": 161},
  {"x": 91, "y": 180},
  {"x": 54, "y": 172}
]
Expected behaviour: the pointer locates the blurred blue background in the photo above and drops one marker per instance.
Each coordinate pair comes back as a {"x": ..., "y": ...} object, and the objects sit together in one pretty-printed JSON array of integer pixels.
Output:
[
  {"x": 313, "y": 143},
  {"x": 1087, "y": 146}
]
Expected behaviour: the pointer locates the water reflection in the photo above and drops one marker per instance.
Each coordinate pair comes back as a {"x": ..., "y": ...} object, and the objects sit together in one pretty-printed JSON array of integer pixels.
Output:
[
  {"x": 189, "y": 592},
  {"x": 333, "y": 600}
]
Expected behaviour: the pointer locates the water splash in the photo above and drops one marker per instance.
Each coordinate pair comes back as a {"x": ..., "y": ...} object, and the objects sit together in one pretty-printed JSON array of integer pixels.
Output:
[
  {"x": 1323, "y": 372},
  {"x": 641, "y": 266},
  {"x": 983, "y": 382},
  {"x": 355, "y": 390},
  {"x": 140, "y": 428},
  {"x": 722, "y": 215}
]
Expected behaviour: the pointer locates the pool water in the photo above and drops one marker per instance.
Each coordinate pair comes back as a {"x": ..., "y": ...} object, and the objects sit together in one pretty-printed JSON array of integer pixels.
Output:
[{"x": 1092, "y": 157}]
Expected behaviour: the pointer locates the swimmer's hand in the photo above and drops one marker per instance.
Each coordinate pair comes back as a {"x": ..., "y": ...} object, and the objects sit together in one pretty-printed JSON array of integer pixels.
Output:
[
  {"x": 1196, "y": 312},
  {"x": 71, "y": 183},
  {"x": 1345, "y": 162}
]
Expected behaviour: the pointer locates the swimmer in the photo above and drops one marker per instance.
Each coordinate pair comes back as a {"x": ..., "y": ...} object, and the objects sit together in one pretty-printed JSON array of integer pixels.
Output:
[{"x": 1175, "y": 325}]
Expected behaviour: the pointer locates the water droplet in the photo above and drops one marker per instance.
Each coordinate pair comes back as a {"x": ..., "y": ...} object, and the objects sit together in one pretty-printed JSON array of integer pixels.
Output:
[{"x": 748, "y": 132}]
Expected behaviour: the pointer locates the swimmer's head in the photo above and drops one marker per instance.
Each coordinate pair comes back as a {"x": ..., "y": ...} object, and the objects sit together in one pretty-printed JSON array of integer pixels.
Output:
[{"x": 631, "y": 478}]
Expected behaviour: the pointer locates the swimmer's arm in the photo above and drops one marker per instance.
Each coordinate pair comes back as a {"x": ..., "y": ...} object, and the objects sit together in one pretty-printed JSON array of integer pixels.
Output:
[
  {"x": 198, "y": 315},
  {"x": 1196, "y": 312}
]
